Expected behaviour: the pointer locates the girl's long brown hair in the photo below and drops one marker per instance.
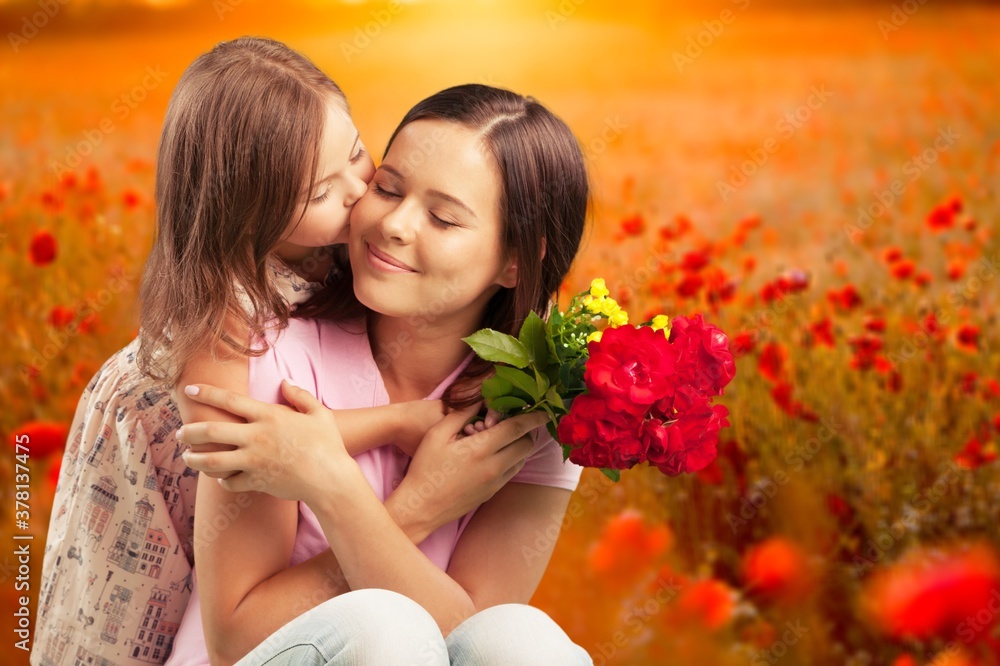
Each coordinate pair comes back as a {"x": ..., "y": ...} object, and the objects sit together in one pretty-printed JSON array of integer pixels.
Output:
[
  {"x": 543, "y": 204},
  {"x": 239, "y": 145}
]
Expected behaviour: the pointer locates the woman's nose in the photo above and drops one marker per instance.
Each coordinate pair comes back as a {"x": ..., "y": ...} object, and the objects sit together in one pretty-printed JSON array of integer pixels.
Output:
[{"x": 397, "y": 224}]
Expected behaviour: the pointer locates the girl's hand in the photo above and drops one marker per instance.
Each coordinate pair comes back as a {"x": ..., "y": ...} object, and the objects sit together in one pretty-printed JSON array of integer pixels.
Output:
[
  {"x": 452, "y": 474},
  {"x": 491, "y": 419},
  {"x": 279, "y": 451},
  {"x": 418, "y": 417}
]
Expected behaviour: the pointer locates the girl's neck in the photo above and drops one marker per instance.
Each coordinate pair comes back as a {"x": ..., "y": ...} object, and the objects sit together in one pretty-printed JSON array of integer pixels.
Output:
[{"x": 414, "y": 357}]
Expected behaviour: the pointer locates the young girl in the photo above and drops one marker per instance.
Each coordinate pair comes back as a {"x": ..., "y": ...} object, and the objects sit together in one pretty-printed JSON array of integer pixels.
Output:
[
  {"x": 258, "y": 168},
  {"x": 472, "y": 220}
]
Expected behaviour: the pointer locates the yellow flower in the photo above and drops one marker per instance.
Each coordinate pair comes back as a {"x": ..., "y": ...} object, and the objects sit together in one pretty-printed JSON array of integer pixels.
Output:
[
  {"x": 619, "y": 318},
  {"x": 598, "y": 289},
  {"x": 594, "y": 305},
  {"x": 609, "y": 307},
  {"x": 595, "y": 336},
  {"x": 662, "y": 322}
]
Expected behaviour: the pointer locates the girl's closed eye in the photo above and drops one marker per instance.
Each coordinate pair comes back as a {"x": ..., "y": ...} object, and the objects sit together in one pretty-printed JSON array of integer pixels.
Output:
[
  {"x": 357, "y": 157},
  {"x": 322, "y": 197}
]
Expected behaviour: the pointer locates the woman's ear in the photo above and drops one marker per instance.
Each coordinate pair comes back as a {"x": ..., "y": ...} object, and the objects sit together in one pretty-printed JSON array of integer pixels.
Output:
[{"x": 508, "y": 278}]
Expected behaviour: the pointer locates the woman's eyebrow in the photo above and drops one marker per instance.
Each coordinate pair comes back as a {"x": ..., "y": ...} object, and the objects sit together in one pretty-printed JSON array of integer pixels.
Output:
[{"x": 434, "y": 193}]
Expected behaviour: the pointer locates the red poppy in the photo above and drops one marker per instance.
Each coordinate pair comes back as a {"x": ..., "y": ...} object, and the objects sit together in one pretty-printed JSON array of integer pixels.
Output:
[
  {"x": 866, "y": 348},
  {"x": 934, "y": 328},
  {"x": 694, "y": 261},
  {"x": 922, "y": 279},
  {"x": 874, "y": 324},
  {"x": 771, "y": 362},
  {"x": 821, "y": 332},
  {"x": 932, "y": 592},
  {"x": 891, "y": 255},
  {"x": 710, "y": 603},
  {"x": 689, "y": 286},
  {"x": 956, "y": 269},
  {"x": 749, "y": 263},
  {"x": 91, "y": 323},
  {"x": 847, "y": 298},
  {"x": 903, "y": 269},
  {"x": 68, "y": 180},
  {"x": 975, "y": 454},
  {"x": 131, "y": 199},
  {"x": 968, "y": 383},
  {"x": 743, "y": 343},
  {"x": 633, "y": 226},
  {"x": 905, "y": 660},
  {"x": 61, "y": 316},
  {"x": 52, "y": 202},
  {"x": 43, "y": 248},
  {"x": 627, "y": 548},
  {"x": 942, "y": 216},
  {"x": 991, "y": 389},
  {"x": 967, "y": 338},
  {"x": 40, "y": 438},
  {"x": 777, "y": 569},
  {"x": 781, "y": 393}
]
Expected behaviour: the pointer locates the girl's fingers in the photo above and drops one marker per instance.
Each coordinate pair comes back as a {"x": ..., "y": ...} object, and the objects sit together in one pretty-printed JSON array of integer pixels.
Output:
[
  {"x": 213, "y": 432},
  {"x": 226, "y": 400},
  {"x": 492, "y": 418},
  {"x": 236, "y": 483},
  {"x": 218, "y": 461},
  {"x": 301, "y": 399}
]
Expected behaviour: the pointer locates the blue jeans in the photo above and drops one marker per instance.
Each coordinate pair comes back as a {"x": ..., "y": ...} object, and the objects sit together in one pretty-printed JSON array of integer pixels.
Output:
[{"x": 382, "y": 628}]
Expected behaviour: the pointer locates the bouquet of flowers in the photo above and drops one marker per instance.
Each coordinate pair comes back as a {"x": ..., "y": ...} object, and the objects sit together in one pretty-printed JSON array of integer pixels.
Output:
[{"x": 616, "y": 394}]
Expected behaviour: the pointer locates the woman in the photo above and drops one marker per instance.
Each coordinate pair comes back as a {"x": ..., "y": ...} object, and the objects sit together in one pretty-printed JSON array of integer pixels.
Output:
[{"x": 472, "y": 220}]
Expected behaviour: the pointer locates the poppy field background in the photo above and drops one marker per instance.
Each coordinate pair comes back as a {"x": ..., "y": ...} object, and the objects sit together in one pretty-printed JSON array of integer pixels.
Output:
[{"x": 820, "y": 180}]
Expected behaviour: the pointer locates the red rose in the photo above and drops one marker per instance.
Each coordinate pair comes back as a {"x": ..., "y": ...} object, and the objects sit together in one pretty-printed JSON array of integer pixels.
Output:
[
  {"x": 704, "y": 358},
  {"x": 684, "y": 440},
  {"x": 631, "y": 368},
  {"x": 600, "y": 436}
]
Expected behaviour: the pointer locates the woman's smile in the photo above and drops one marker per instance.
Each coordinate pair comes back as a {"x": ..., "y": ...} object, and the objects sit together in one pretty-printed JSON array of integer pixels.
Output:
[{"x": 385, "y": 262}]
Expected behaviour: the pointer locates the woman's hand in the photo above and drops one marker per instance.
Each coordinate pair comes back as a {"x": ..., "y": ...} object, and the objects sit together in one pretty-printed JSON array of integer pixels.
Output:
[
  {"x": 452, "y": 474},
  {"x": 279, "y": 451}
]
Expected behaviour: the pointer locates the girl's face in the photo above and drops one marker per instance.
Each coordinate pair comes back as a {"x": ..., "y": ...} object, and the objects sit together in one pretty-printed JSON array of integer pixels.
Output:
[
  {"x": 343, "y": 172},
  {"x": 425, "y": 239}
]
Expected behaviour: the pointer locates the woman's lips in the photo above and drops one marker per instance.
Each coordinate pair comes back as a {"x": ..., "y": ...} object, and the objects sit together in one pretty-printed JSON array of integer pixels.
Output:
[{"x": 385, "y": 262}]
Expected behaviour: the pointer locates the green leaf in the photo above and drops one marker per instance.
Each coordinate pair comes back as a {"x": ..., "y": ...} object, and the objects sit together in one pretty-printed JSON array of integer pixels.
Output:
[
  {"x": 494, "y": 387},
  {"x": 532, "y": 336},
  {"x": 498, "y": 347},
  {"x": 520, "y": 380},
  {"x": 553, "y": 397},
  {"x": 507, "y": 404},
  {"x": 612, "y": 474}
]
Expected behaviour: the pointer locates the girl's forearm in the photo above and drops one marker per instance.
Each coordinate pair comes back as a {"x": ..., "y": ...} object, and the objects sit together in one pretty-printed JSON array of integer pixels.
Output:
[
  {"x": 373, "y": 551},
  {"x": 370, "y": 427}
]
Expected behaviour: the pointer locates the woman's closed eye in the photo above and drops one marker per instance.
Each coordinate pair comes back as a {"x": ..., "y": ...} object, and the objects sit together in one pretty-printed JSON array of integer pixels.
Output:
[{"x": 382, "y": 192}]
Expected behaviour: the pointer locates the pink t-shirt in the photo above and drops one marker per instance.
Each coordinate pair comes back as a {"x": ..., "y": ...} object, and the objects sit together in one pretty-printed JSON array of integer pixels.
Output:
[{"x": 334, "y": 362}]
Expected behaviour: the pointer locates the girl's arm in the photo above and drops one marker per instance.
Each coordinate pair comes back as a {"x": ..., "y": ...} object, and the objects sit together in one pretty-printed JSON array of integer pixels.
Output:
[
  {"x": 372, "y": 550},
  {"x": 403, "y": 424}
]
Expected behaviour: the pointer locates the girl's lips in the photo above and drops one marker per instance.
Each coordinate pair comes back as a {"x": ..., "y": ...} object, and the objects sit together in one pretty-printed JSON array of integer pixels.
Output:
[{"x": 385, "y": 262}]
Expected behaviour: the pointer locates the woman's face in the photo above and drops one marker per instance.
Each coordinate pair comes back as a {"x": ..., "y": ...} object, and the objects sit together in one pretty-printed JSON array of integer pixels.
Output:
[
  {"x": 342, "y": 176},
  {"x": 425, "y": 239}
]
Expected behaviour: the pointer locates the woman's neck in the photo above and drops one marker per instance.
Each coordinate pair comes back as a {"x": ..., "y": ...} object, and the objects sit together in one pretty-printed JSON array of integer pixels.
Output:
[{"x": 414, "y": 357}]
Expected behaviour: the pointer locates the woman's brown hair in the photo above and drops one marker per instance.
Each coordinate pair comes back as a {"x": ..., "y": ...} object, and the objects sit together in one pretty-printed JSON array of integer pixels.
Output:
[
  {"x": 543, "y": 207},
  {"x": 238, "y": 148}
]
